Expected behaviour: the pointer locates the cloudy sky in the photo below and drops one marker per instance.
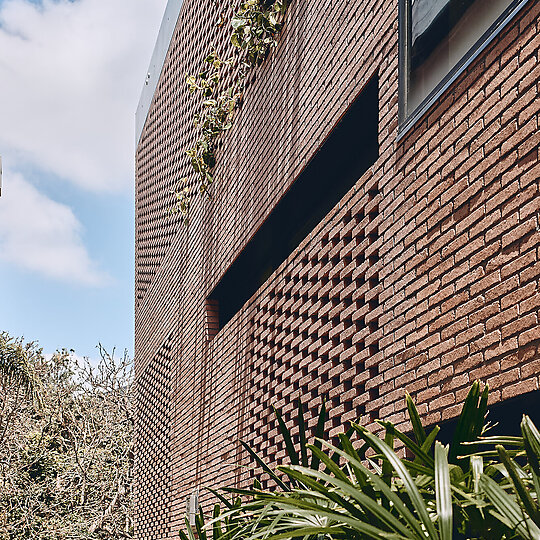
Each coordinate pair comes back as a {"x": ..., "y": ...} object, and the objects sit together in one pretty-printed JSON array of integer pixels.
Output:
[{"x": 71, "y": 73}]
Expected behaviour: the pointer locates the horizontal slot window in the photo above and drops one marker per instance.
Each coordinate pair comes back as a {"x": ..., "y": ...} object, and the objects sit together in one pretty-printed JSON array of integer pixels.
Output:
[{"x": 350, "y": 149}]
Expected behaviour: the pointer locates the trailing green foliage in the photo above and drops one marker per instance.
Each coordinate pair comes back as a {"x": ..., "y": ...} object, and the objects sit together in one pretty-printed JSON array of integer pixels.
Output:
[
  {"x": 255, "y": 27},
  {"x": 362, "y": 488},
  {"x": 216, "y": 116}
]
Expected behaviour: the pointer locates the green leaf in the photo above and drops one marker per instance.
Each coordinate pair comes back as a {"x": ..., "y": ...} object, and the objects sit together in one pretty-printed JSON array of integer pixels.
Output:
[
  {"x": 531, "y": 442},
  {"x": 418, "y": 429},
  {"x": 199, "y": 525},
  {"x": 411, "y": 445},
  {"x": 235, "y": 41},
  {"x": 302, "y": 432},
  {"x": 443, "y": 495},
  {"x": 430, "y": 439},
  {"x": 265, "y": 467},
  {"x": 331, "y": 465},
  {"x": 319, "y": 433},
  {"x": 296, "y": 472},
  {"x": 220, "y": 497},
  {"x": 523, "y": 494},
  {"x": 303, "y": 508},
  {"x": 385, "y": 491},
  {"x": 507, "y": 510},
  {"x": 386, "y": 466},
  {"x": 481, "y": 415},
  {"x": 368, "y": 503},
  {"x": 470, "y": 421},
  {"x": 349, "y": 448},
  {"x": 307, "y": 532},
  {"x": 286, "y": 434},
  {"x": 408, "y": 482},
  {"x": 216, "y": 526},
  {"x": 335, "y": 456}
]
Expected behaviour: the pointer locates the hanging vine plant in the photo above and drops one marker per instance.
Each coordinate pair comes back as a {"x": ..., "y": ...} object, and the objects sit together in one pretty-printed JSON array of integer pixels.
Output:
[
  {"x": 216, "y": 116},
  {"x": 255, "y": 27}
]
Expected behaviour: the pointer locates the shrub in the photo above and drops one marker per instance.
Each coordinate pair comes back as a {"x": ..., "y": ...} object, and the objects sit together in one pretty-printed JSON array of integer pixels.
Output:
[
  {"x": 66, "y": 455},
  {"x": 362, "y": 489}
]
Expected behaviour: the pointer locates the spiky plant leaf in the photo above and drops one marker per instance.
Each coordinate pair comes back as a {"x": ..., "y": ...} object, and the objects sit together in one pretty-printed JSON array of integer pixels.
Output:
[
  {"x": 265, "y": 467},
  {"x": 443, "y": 493},
  {"x": 470, "y": 424},
  {"x": 418, "y": 429},
  {"x": 319, "y": 433},
  {"x": 302, "y": 432},
  {"x": 507, "y": 510},
  {"x": 408, "y": 482},
  {"x": 287, "y": 438},
  {"x": 523, "y": 495}
]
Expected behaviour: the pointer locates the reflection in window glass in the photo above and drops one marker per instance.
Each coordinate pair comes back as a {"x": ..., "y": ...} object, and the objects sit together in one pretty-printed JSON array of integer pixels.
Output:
[{"x": 440, "y": 35}]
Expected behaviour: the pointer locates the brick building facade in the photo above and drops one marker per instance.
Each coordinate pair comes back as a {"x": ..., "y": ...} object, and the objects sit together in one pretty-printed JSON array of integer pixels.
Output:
[{"x": 367, "y": 235}]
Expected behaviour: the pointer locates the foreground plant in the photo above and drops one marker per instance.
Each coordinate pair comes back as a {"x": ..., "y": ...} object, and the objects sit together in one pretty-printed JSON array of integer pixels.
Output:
[
  {"x": 372, "y": 493},
  {"x": 514, "y": 500},
  {"x": 362, "y": 489}
]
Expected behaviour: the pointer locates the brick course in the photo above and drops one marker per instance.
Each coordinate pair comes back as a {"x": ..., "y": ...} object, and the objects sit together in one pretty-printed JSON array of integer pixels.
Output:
[{"x": 423, "y": 278}]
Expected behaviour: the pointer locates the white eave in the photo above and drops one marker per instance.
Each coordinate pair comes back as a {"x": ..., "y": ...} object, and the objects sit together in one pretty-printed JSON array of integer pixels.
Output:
[{"x": 166, "y": 31}]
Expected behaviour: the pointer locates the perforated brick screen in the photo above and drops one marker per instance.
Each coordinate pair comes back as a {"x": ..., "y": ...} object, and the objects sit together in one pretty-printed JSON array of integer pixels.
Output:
[{"x": 424, "y": 277}]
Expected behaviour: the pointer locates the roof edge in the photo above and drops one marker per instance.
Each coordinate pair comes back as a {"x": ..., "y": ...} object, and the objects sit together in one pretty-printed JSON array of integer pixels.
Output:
[{"x": 161, "y": 48}]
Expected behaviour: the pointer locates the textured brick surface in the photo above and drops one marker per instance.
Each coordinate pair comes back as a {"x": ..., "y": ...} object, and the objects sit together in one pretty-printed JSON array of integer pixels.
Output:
[{"x": 424, "y": 277}]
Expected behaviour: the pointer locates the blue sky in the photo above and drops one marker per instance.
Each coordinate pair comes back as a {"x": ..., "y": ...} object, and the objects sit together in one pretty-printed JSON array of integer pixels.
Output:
[{"x": 71, "y": 75}]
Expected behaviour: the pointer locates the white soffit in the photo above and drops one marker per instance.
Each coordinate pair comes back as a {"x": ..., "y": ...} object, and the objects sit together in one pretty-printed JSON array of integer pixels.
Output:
[{"x": 166, "y": 31}]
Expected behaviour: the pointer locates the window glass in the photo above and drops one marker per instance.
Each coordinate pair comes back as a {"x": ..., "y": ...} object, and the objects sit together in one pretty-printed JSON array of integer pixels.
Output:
[{"x": 439, "y": 35}]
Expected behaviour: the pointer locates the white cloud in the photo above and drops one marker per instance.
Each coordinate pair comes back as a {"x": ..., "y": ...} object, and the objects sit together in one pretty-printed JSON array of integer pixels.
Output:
[
  {"x": 71, "y": 77},
  {"x": 42, "y": 235}
]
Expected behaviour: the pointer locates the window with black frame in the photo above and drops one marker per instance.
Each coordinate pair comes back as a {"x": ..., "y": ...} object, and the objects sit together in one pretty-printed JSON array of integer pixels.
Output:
[{"x": 437, "y": 37}]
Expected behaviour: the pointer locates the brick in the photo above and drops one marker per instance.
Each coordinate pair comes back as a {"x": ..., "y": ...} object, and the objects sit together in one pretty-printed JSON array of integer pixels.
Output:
[
  {"x": 502, "y": 349},
  {"x": 530, "y": 335},
  {"x": 530, "y": 304},
  {"x": 520, "y": 325},
  {"x": 442, "y": 402},
  {"x": 521, "y": 387},
  {"x": 531, "y": 369},
  {"x": 423, "y": 277},
  {"x": 454, "y": 355},
  {"x": 501, "y": 319},
  {"x": 518, "y": 295},
  {"x": 468, "y": 363}
]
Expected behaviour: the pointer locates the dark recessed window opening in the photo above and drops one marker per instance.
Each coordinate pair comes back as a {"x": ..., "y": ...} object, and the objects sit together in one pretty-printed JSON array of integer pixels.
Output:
[
  {"x": 348, "y": 152},
  {"x": 504, "y": 417},
  {"x": 437, "y": 39}
]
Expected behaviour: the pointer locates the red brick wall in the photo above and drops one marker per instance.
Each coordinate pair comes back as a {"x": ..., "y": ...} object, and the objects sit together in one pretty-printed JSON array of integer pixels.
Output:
[{"x": 424, "y": 277}]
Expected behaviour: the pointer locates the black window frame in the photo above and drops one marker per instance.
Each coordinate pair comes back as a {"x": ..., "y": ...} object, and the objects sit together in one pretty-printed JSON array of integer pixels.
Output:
[{"x": 408, "y": 120}]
